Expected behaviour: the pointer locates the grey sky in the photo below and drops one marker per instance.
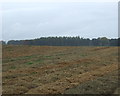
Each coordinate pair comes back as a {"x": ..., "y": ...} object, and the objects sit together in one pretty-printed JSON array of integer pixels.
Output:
[{"x": 34, "y": 20}]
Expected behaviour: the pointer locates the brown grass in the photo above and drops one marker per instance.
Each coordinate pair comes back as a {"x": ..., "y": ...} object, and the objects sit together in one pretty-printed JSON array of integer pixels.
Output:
[
  {"x": 65, "y": 83},
  {"x": 53, "y": 69}
]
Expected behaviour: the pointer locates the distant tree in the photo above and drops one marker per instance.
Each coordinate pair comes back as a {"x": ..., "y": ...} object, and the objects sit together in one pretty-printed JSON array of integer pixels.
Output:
[
  {"x": 103, "y": 41},
  {"x": 114, "y": 42},
  {"x": 118, "y": 42},
  {"x": 2, "y": 42},
  {"x": 68, "y": 41},
  {"x": 95, "y": 42}
]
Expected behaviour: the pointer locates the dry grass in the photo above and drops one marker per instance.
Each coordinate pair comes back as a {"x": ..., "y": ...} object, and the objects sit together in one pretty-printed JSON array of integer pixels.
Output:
[{"x": 53, "y": 70}]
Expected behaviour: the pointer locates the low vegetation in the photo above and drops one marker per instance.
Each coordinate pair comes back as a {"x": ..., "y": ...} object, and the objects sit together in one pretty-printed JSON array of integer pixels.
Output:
[{"x": 59, "y": 70}]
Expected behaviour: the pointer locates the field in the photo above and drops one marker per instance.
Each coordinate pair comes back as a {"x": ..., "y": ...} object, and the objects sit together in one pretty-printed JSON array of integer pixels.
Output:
[{"x": 59, "y": 70}]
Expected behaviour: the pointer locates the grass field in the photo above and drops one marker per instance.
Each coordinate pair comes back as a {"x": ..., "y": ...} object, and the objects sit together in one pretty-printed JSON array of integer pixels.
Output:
[{"x": 59, "y": 70}]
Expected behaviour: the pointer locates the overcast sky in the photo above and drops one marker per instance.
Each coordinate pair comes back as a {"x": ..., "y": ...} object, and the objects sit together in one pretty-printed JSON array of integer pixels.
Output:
[{"x": 84, "y": 19}]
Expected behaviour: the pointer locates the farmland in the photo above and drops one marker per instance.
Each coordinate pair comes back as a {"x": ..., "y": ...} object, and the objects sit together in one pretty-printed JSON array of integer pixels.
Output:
[{"x": 59, "y": 70}]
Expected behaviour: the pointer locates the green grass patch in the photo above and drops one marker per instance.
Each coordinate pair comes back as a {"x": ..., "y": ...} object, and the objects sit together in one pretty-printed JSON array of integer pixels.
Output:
[
  {"x": 48, "y": 56},
  {"x": 39, "y": 60},
  {"x": 28, "y": 57},
  {"x": 34, "y": 62},
  {"x": 61, "y": 54},
  {"x": 10, "y": 49},
  {"x": 34, "y": 73},
  {"x": 25, "y": 57},
  {"x": 12, "y": 59},
  {"x": 29, "y": 63},
  {"x": 83, "y": 55},
  {"x": 12, "y": 67}
]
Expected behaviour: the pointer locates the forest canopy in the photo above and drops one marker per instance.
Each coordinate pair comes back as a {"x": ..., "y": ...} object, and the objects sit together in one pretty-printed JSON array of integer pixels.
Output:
[{"x": 67, "y": 41}]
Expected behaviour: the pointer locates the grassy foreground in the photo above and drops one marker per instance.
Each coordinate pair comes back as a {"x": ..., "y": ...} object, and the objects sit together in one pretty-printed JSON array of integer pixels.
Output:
[{"x": 59, "y": 70}]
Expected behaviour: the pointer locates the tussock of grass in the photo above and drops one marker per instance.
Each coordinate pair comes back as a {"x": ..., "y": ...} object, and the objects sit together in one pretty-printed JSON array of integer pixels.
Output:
[
  {"x": 29, "y": 63},
  {"x": 12, "y": 67},
  {"x": 34, "y": 73}
]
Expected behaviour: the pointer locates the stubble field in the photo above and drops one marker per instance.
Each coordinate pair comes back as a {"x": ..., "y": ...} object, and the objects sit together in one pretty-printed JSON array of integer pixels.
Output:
[{"x": 59, "y": 70}]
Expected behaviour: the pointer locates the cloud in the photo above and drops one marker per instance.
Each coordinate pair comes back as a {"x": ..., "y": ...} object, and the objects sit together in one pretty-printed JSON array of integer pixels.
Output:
[
  {"x": 33, "y": 20},
  {"x": 58, "y": 1}
]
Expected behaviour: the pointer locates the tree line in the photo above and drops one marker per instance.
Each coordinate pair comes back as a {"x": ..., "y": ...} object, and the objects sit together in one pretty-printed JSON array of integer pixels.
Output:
[{"x": 66, "y": 41}]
